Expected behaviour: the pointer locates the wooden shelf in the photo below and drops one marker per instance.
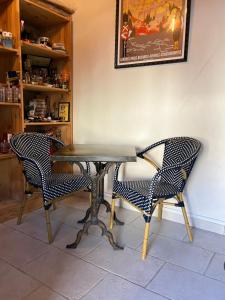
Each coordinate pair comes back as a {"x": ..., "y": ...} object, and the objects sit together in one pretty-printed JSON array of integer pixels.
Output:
[
  {"x": 46, "y": 123},
  {"x": 39, "y": 15},
  {"x": 33, "y": 49},
  {"x": 5, "y": 50},
  {"x": 42, "y": 88},
  {"x": 7, "y": 156},
  {"x": 9, "y": 104}
]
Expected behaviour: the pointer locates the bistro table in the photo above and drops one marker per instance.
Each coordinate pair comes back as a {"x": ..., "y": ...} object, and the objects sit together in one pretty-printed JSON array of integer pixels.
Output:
[{"x": 103, "y": 157}]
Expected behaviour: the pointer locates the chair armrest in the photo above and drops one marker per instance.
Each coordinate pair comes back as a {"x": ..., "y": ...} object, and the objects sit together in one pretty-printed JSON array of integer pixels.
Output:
[
  {"x": 38, "y": 167},
  {"x": 152, "y": 162},
  {"x": 157, "y": 176},
  {"x": 142, "y": 152},
  {"x": 57, "y": 142}
]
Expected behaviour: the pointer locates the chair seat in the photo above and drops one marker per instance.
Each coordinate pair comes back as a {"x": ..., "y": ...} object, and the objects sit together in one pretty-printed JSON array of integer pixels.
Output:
[
  {"x": 61, "y": 184},
  {"x": 136, "y": 192}
]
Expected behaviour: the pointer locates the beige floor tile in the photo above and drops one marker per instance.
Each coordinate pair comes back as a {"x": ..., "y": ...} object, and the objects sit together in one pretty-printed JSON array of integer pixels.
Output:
[
  {"x": 44, "y": 293},
  {"x": 126, "y": 263},
  {"x": 87, "y": 244},
  {"x": 179, "y": 253},
  {"x": 208, "y": 240},
  {"x": 65, "y": 274},
  {"x": 18, "y": 248},
  {"x": 179, "y": 284},
  {"x": 116, "y": 288},
  {"x": 216, "y": 268},
  {"x": 34, "y": 225},
  {"x": 14, "y": 285},
  {"x": 165, "y": 228}
]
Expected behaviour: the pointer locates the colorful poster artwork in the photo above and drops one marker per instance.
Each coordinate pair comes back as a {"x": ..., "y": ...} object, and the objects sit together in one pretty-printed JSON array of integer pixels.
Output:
[{"x": 151, "y": 32}]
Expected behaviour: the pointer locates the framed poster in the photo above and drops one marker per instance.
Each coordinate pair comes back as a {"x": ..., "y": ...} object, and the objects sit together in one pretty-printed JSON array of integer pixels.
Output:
[
  {"x": 64, "y": 111},
  {"x": 151, "y": 32}
]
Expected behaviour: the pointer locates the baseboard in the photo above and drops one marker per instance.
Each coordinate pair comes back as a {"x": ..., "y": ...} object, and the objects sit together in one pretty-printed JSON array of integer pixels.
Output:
[{"x": 174, "y": 214}]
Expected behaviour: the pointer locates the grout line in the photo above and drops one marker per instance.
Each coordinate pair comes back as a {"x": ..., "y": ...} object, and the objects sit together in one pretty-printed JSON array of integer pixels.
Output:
[
  {"x": 173, "y": 263},
  {"x": 95, "y": 285},
  {"x": 31, "y": 292},
  {"x": 206, "y": 269},
  {"x": 160, "y": 268}
]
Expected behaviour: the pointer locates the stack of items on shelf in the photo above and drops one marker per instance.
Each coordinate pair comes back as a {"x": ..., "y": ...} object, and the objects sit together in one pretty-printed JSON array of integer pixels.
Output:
[
  {"x": 37, "y": 110},
  {"x": 40, "y": 110},
  {"x": 28, "y": 36},
  {"x": 6, "y": 39},
  {"x": 10, "y": 92},
  {"x": 38, "y": 71},
  {"x": 59, "y": 47}
]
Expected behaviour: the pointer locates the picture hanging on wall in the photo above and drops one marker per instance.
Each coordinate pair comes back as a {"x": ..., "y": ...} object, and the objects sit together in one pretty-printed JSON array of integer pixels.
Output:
[
  {"x": 64, "y": 111},
  {"x": 150, "y": 32}
]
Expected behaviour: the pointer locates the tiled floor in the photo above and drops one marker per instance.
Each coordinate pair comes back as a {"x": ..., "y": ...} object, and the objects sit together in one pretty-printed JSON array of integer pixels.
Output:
[{"x": 175, "y": 269}]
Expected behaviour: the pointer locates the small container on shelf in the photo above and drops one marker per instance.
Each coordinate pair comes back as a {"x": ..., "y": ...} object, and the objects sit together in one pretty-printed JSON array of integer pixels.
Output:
[
  {"x": 15, "y": 94},
  {"x": 65, "y": 81},
  {"x": 8, "y": 95},
  {"x": 7, "y": 39}
]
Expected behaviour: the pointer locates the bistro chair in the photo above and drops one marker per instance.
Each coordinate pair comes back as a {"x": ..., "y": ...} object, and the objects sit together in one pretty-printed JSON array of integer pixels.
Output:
[
  {"x": 179, "y": 156},
  {"x": 33, "y": 150}
]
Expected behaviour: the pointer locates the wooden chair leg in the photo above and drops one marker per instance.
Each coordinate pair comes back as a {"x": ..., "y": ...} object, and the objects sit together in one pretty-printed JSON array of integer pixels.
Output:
[
  {"x": 48, "y": 223},
  {"x": 54, "y": 205},
  {"x": 145, "y": 241},
  {"x": 22, "y": 206},
  {"x": 90, "y": 199},
  {"x": 160, "y": 210},
  {"x": 111, "y": 220},
  {"x": 186, "y": 221}
]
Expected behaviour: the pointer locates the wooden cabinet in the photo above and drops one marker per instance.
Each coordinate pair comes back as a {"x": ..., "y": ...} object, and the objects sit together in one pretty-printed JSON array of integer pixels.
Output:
[{"x": 43, "y": 21}]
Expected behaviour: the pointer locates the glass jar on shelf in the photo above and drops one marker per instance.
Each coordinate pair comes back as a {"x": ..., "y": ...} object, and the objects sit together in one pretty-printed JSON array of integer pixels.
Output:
[
  {"x": 65, "y": 81},
  {"x": 8, "y": 94},
  {"x": 2, "y": 93},
  {"x": 15, "y": 94}
]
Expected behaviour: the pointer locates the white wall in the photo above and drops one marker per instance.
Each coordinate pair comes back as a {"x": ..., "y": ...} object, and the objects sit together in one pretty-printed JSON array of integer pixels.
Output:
[{"x": 139, "y": 106}]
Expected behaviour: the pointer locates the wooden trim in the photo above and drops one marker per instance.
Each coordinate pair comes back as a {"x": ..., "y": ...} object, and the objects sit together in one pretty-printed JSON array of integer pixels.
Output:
[
  {"x": 10, "y": 104},
  {"x": 5, "y": 50},
  {"x": 34, "y": 49},
  {"x": 42, "y": 88},
  {"x": 39, "y": 15},
  {"x": 46, "y": 123}
]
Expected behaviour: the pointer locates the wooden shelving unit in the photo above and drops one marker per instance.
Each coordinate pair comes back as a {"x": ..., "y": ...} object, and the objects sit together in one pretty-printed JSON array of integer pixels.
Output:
[
  {"x": 40, "y": 15},
  {"x": 33, "y": 49},
  {"x": 51, "y": 123},
  {"x": 5, "y": 50},
  {"x": 10, "y": 104},
  {"x": 43, "y": 89},
  {"x": 45, "y": 21}
]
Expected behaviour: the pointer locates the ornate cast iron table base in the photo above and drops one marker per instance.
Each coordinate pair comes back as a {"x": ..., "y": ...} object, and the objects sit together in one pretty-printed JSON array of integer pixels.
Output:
[{"x": 97, "y": 200}]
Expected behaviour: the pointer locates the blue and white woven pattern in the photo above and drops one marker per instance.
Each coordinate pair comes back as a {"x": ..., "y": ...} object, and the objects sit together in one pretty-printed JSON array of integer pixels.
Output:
[
  {"x": 180, "y": 154},
  {"x": 34, "y": 150}
]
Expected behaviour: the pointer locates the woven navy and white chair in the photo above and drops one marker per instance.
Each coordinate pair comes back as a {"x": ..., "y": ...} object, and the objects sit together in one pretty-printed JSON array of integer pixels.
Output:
[
  {"x": 179, "y": 156},
  {"x": 34, "y": 149}
]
